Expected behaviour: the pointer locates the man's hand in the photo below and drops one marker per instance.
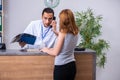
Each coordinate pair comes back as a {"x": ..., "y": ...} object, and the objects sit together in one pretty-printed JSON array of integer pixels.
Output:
[
  {"x": 54, "y": 27},
  {"x": 22, "y": 44},
  {"x": 54, "y": 23}
]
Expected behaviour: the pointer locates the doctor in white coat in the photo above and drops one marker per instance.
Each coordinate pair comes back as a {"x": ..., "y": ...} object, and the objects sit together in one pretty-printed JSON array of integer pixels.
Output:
[{"x": 44, "y": 30}]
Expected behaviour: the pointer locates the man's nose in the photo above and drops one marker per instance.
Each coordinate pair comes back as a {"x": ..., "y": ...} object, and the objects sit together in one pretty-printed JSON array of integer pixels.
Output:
[{"x": 47, "y": 20}]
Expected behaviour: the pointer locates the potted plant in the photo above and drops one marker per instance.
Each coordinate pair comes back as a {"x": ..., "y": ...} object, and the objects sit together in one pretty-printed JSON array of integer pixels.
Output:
[{"x": 90, "y": 26}]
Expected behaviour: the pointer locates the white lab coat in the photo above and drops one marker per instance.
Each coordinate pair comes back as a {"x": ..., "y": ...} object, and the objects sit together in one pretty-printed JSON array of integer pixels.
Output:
[{"x": 35, "y": 28}]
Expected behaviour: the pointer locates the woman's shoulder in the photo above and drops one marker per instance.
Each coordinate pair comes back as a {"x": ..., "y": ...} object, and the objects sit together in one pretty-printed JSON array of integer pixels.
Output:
[
  {"x": 70, "y": 35},
  {"x": 62, "y": 34}
]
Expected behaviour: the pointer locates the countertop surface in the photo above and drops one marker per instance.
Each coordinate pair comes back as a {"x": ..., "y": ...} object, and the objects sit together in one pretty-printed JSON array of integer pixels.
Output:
[{"x": 16, "y": 52}]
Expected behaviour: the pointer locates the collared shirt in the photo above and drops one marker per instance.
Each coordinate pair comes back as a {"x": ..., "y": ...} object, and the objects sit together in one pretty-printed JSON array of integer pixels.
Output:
[{"x": 45, "y": 36}]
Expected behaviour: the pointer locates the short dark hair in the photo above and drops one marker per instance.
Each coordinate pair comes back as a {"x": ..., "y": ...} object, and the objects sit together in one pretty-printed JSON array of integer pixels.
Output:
[{"x": 48, "y": 10}]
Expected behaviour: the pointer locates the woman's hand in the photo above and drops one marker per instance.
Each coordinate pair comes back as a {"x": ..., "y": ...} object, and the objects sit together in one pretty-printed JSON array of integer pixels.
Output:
[{"x": 45, "y": 49}]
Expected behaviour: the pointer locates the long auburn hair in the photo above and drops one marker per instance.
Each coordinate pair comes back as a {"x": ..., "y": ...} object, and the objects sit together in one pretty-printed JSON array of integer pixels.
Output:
[{"x": 67, "y": 22}]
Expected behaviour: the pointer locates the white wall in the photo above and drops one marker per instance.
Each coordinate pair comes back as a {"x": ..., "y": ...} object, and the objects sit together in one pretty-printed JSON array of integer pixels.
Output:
[{"x": 18, "y": 14}]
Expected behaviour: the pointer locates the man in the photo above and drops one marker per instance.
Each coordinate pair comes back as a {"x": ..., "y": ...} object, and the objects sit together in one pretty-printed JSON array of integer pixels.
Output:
[{"x": 44, "y": 30}]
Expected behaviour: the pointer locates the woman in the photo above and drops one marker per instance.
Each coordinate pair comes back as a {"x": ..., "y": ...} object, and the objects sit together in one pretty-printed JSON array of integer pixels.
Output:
[{"x": 65, "y": 68}]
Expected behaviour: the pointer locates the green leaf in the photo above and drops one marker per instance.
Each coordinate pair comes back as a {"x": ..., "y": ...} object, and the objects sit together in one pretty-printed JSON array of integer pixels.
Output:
[{"x": 90, "y": 30}]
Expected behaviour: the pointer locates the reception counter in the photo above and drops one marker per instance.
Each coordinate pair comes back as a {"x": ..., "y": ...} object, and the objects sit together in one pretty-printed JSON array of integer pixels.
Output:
[{"x": 22, "y": 65}]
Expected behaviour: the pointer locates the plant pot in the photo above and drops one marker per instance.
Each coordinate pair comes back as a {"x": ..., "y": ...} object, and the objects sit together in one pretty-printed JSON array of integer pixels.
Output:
[{"x": 79, "y": 49}]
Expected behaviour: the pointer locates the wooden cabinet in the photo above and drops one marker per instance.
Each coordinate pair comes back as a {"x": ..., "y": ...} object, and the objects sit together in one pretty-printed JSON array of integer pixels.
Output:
[
  {"x": 40, "y": 67},
  {"x": 86, "y": 66},
  {"x": 26, "y": 67}
]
